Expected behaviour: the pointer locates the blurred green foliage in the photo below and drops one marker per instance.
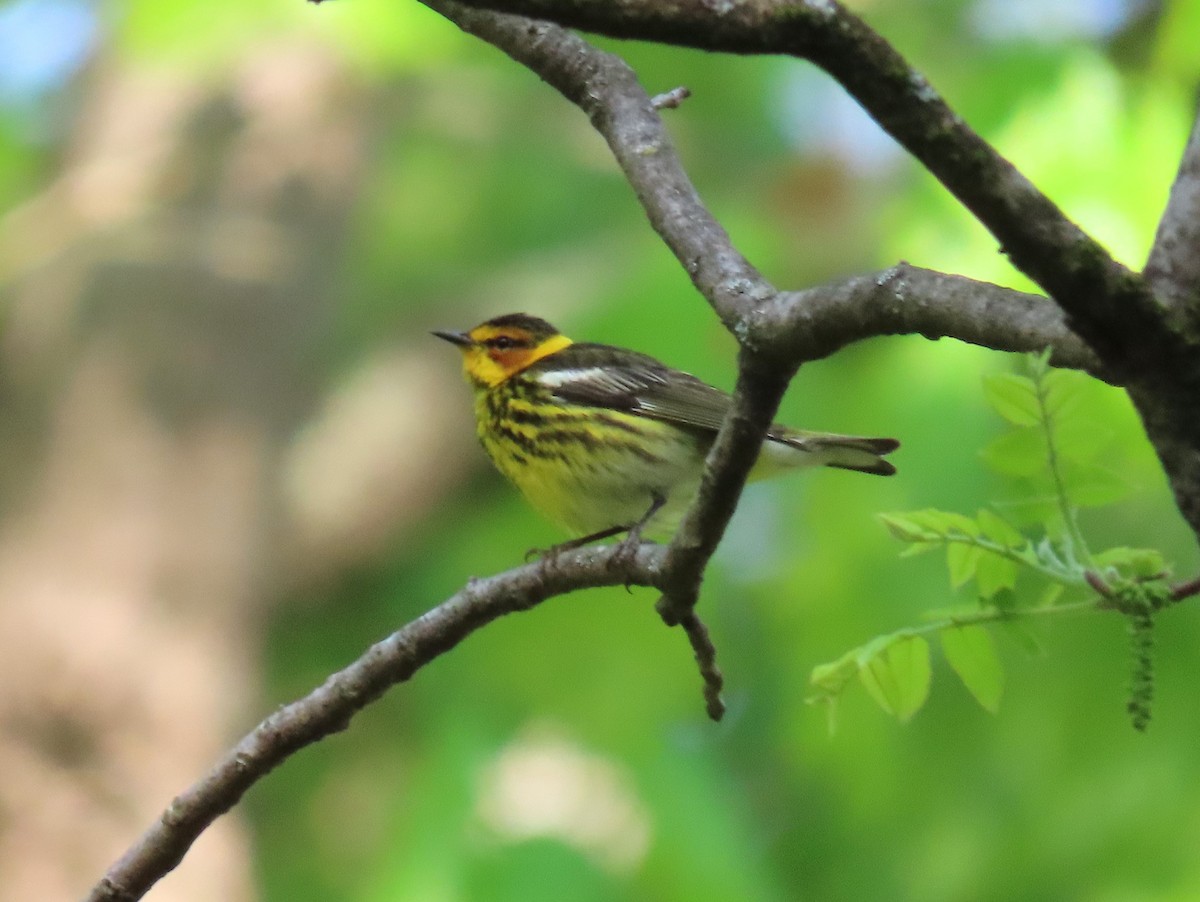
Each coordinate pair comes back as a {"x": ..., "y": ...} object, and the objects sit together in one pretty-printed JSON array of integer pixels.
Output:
[{"x": 564, "y": 753}]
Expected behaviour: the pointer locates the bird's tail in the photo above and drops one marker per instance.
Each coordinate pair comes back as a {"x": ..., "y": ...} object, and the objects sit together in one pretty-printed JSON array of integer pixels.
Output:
[{"x": 847, "y": 452}]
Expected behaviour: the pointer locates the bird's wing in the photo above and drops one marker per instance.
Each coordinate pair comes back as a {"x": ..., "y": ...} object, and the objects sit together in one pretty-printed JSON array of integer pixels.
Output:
[
  {"x": 589, "y": 374},
  {"x": 600, "y": 376}
]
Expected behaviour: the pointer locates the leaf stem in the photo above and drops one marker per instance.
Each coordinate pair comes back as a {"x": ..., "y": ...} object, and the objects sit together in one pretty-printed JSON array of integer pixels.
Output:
[
  {"x": 1077, "y": 549},
  {"x": 1017, "y": 556}
]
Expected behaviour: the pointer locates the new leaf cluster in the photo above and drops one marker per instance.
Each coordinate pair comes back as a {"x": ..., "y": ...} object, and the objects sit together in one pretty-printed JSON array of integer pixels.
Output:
[{"x": 1052, "y": 449}]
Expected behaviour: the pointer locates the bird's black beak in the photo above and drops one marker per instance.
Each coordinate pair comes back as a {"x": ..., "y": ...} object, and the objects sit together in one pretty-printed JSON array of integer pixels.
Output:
[{"x": 462, "y": 339}]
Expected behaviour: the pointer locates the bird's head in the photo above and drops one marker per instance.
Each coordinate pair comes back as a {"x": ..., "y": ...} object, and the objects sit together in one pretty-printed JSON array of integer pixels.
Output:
[{"x": 500, "y": 348}]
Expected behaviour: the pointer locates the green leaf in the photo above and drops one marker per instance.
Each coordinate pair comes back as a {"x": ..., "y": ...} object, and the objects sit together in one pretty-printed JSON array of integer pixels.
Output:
[
  {"x": 999, "y": 530},
  {"x": 1004, "y": 600},
  {"x": 1134, "y": 563},
  {"x": 1082, "y": 438},
  {"x": 1023, "y": 636},
  {"x": 1038, "y": 363},
  {"x": 830, "y": 679},
  {"x": 961, "y": 560},
  {"x": 1013, "y": 397},
  {"x": 1081, "y": 431},
  {"x": 1064, "y": 392},
  {"x": 1091, "y": 485},
  {"x": 928, "y": 525},
  {"x": 1051, "y": 594},
  {"x": 904, "y": 528},
  {"x": 1019, "y": 452},
  {"x": 898, "y": 677},
  {"x": 954, "y": 522},
  {"x": 993, "y": 574},
  {"x": 1040, "y": 510},
  {"x": 972, "y": 654}
]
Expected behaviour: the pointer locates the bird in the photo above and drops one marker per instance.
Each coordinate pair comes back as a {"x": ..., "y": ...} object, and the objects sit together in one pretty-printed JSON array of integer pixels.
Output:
[{"x": 603, "y": 440}]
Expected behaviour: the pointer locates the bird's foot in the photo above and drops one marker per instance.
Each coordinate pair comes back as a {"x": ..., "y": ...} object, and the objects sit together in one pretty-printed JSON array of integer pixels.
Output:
[
  {"x": 626, "y": 550},
  {"x": 555, "y": 550}
]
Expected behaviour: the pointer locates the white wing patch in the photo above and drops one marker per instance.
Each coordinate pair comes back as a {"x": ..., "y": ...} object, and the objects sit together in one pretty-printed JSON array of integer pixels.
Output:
[
  {"x": 587, "y": 375},
  {"x": 603, "y": 381}
]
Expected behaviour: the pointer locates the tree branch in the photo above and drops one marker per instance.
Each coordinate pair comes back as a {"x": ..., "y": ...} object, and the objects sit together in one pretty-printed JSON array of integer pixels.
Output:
[
  {"x": 756, "y": 396},
  {"x": 800, "y": 326},
  {"x": 1173, "y": 268},
  {"x": 329, "y": 708},
  {"x": 908, "y": 300},
  {"x": 1109, "y": 306}
]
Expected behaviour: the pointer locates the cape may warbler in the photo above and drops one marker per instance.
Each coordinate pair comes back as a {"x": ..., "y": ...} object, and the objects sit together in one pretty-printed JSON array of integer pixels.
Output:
[{"x": 603, "y": 440}]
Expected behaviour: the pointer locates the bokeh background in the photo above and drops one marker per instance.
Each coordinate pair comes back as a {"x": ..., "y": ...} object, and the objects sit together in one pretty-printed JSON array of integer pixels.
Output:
[{"x": 233, "y": 457}]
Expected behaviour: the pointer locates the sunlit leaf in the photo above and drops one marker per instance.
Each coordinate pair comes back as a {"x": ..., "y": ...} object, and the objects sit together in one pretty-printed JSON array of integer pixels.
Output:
[
  {"x": 1092, "y": 485},
  {"x": 831, "y": 678},
  {"x": 972, "y": 654},
  {"x": 1051, "y": 594},
  {"x": 1134, "y": 563},
  {"x": 1018, "y": 452},
  {"x": 961, "y": 560},
  {"x": 1040, "y": 510},
  {"x": 998, "y": 529},
  {"x": 1064, "y": 392},
  {"x": 1013, "y": 397},
  {"x": 993, "y": 574},
  {"x": 928, "y": 525},
  {"x": 1082, "y": 438},
  {"x": 898, "y": 677},
  {"x": 904, "y": 528}
]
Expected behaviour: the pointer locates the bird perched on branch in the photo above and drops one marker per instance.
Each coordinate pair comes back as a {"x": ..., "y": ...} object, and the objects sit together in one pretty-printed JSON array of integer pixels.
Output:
[{"x": 603, "y": 440}]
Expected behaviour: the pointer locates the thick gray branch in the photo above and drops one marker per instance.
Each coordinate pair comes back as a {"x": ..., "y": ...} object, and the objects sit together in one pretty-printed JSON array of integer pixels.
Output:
[
  {"x": 908, "y": 300},
  {"x": 802, "y": 325},
  {"x": 1169, "y": 398},
  {"x": 1108, "y": 305},
  {"x": 1173, "y": 269}
]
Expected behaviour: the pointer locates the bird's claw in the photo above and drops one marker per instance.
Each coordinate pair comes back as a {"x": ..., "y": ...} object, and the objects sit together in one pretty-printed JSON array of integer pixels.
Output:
[{"x": 623, "y": 556}]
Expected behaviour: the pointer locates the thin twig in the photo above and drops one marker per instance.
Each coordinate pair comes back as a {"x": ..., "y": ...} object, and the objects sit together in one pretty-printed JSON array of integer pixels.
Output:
[
  {"x": 706, "y": 660},
  {"x": 670, "y": 100},
  {"x": 1185, "y": 590}
]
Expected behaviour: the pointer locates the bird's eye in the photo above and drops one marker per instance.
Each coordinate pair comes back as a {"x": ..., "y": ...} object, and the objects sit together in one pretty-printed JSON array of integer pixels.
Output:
[{"x": 503, "y": 343}]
